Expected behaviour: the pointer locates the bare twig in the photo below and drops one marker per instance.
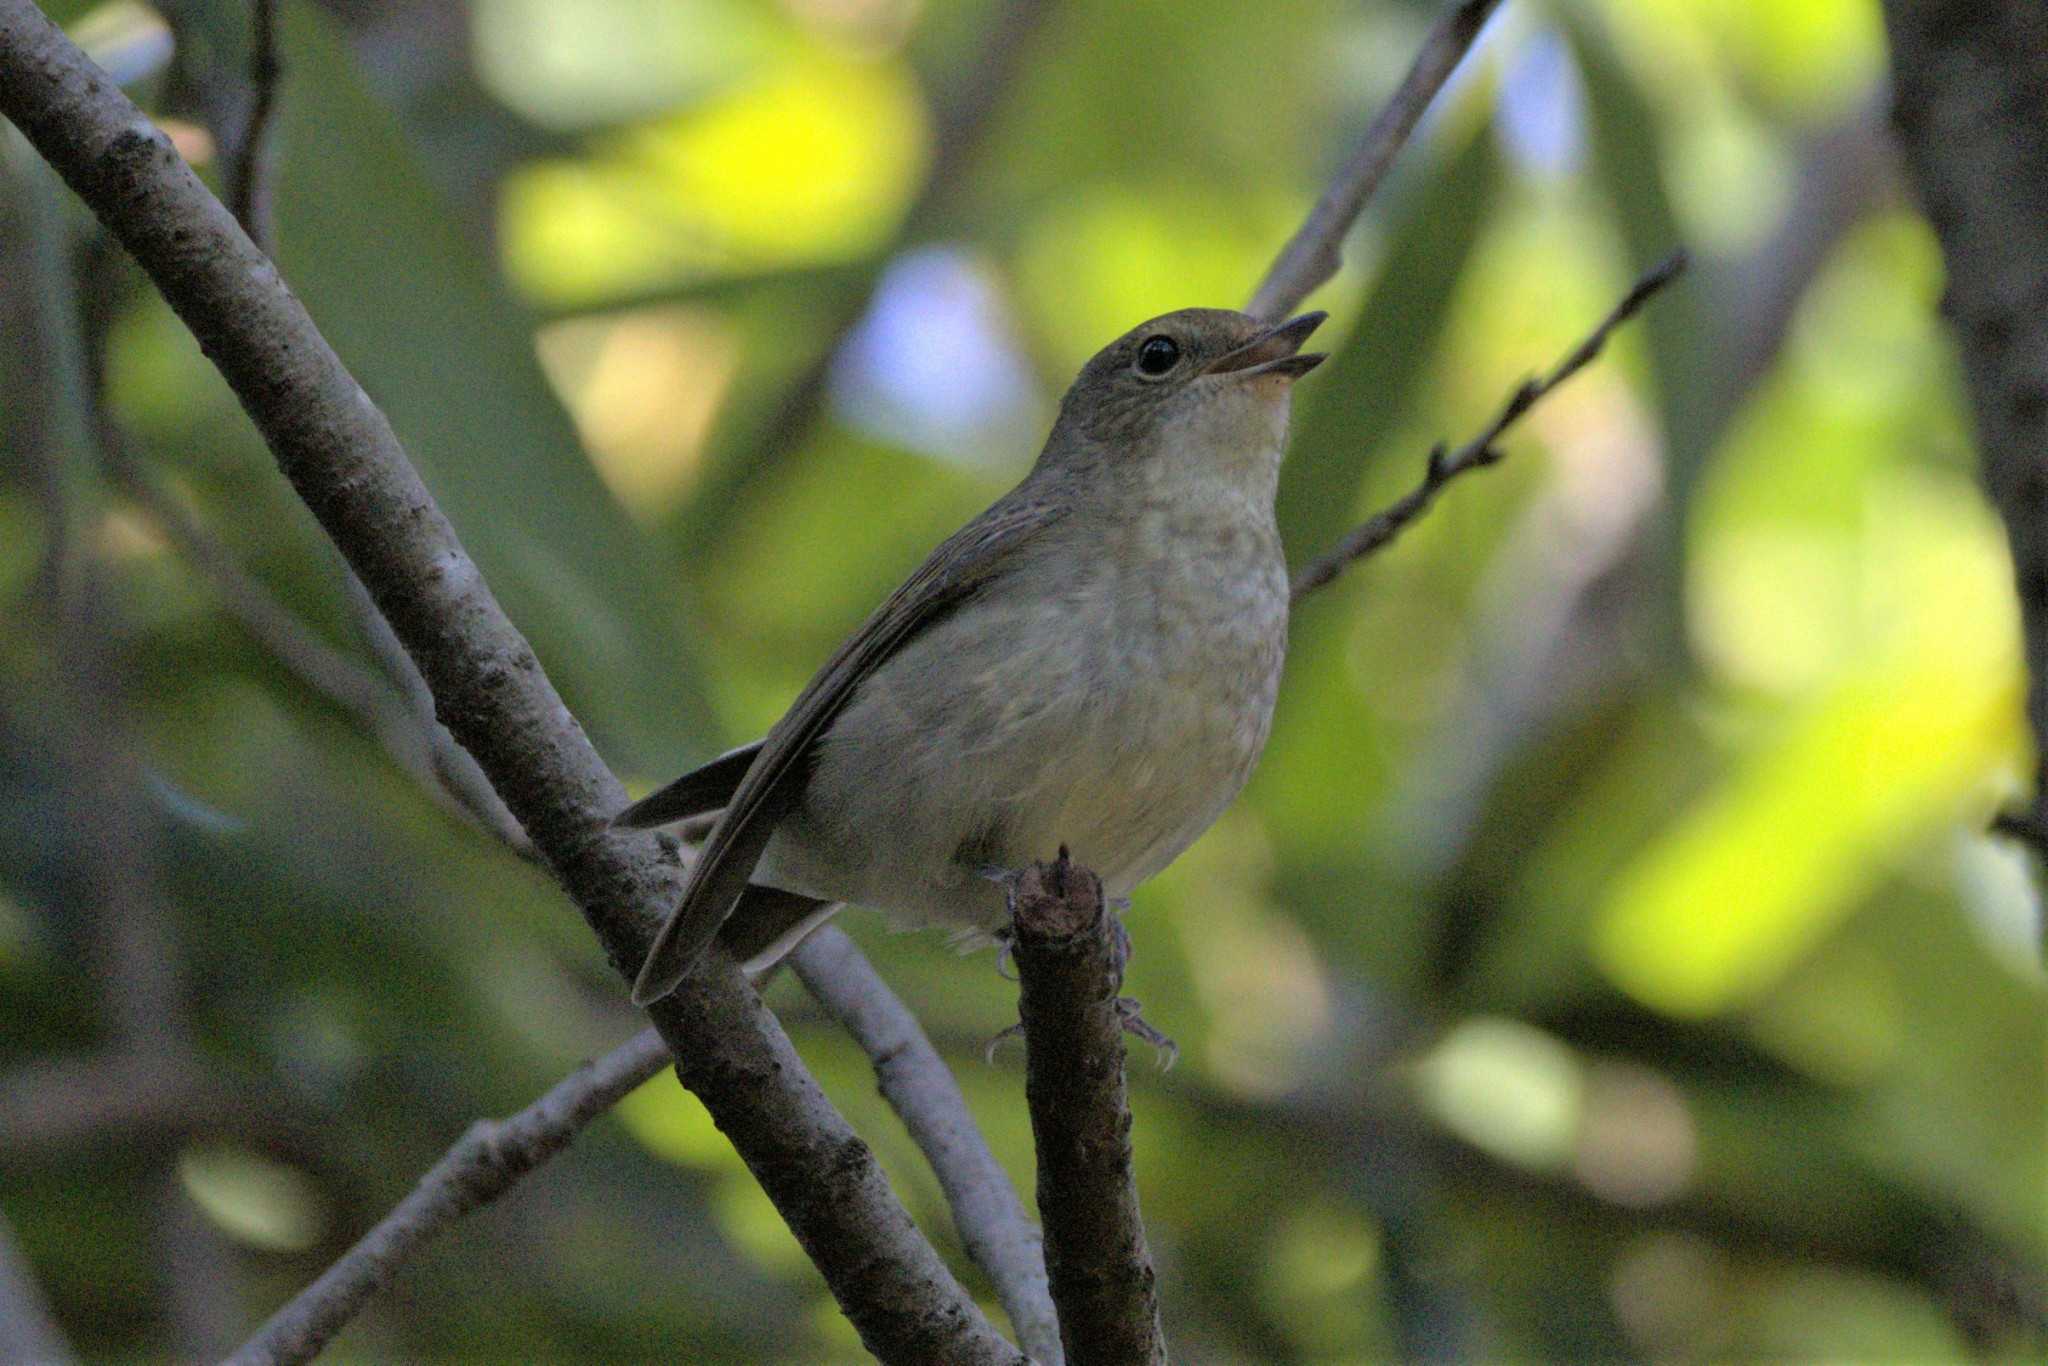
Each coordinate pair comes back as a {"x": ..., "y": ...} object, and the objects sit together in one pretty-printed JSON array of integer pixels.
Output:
[
  {"x": 1315, "y": 252},
  {"x": 249, "y": 180},
  {"x": 28, "y": 1333},
  {"x": 999, "y": 1235},
  {"x": 487, "y": 1161},
  {"x": 1069, "y": 971},
  {"x": 1480, "y": 451},
  {"x": 340, "y": 453}
]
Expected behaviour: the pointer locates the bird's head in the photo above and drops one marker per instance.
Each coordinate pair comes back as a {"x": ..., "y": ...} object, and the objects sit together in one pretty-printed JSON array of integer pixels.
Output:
[{"x": 1206, "y": 376}]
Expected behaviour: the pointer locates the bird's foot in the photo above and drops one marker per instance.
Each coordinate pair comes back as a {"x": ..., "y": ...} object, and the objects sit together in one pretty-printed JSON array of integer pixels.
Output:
[
  {"x": 1006, "y": 953},
  {"x": 988, "y": 1052},
  {"x": 1119, "y": 937},
  {"x": 1005, "y": 878},
  {"x": 1134, "y": 1024}
]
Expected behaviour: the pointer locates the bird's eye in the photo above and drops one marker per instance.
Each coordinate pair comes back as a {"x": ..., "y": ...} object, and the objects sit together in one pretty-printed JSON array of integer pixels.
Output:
[{"x": 1158, "y": 355}]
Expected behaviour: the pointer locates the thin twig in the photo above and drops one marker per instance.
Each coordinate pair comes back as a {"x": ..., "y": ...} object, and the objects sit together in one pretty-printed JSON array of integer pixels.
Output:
[
  {"x": 1383, "y": 526},
  {"x": 487, "y": 1161},
  {"x": 914, "y": 1079},
  {"x": 249, "y": 180},
  {"x": 52, "y": 1104},
  {"x": 339, "y": 452},
  {"x": 1316, "y": 251},
  {"x": 1069, "y": 973}
]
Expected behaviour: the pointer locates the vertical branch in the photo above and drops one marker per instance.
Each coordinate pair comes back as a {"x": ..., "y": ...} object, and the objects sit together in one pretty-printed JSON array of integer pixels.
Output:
[
  {"x": 1970, "y": 84},
  {"x": 249, "y": 179},
  {"x": 914, "y": 1079},
  {"x": 1069, "y": 968}
]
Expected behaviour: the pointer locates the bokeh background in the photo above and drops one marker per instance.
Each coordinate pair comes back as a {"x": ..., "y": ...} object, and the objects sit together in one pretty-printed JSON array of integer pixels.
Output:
[{"x": 1607, "y": 960}]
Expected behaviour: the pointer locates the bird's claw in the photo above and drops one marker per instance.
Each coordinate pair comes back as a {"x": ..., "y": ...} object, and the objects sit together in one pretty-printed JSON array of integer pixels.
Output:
[
  {"x": 988, "y": 1052},
  {"x": 1006, "y": 954},
  {"x": 1132, "y": 1018}
]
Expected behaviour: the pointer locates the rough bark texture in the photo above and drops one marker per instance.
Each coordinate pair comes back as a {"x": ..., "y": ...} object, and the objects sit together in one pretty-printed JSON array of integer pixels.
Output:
[
  {"x": 1970, "y": 109},
  {"x": 342, "y": 457},
  {"x": 1095, "y": 1254},
  {"x": 914, "y": 1079}
]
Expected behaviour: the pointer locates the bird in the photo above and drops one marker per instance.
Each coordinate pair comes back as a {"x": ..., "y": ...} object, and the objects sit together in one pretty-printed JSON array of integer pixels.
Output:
[{"x": 1091, "y": 663}]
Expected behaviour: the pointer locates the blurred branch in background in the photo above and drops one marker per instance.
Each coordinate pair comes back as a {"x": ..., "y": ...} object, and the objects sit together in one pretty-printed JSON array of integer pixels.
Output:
[
  {"x": 28, "y": 1334},
  {"x": 249, "y": 178},
  {"x": 1970, "y": 96},
  {"x": 1480, "y": 451},
  {"x": 109, "y": 845},
  {"x": 113, "y": 851},
  {"x": 488, "y": 1161}
]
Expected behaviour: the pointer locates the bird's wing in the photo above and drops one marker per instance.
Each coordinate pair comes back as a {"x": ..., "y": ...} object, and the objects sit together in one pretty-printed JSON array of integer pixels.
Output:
[
  {"x": 709, "y": 788},
  {"x": 956, "y": 571}
]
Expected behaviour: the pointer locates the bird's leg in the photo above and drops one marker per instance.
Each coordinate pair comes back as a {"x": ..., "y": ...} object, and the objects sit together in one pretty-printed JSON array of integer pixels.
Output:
[
  {"x": 1119, "y": 937},
  {"x": 1006, "y": 949},
  {"x": 1130, "y": 1016},
  {"x": 1133, "y": 1021},
  {"x": 1002, "y": 1036},
  {"x": 1005, "y": 878},
  {"x": 1128, "y": 1012}
]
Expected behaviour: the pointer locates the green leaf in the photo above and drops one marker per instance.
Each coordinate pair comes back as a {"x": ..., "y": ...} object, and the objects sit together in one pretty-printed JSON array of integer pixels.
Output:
[{"x": 416, "y": 311}]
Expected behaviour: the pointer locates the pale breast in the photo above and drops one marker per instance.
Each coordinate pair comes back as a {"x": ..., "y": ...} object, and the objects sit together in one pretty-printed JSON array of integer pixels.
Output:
[{"x": 1117, "y": 713}]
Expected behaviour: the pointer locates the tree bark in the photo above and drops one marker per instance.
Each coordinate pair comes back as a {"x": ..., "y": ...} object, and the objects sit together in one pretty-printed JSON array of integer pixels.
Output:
[
  {"x": 1970, "y": 107},
  {"x": 341, "y": 455}
]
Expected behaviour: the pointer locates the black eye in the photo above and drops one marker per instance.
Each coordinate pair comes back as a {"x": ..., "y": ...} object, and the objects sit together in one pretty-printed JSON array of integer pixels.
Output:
[{"x": 1158, "y": 355}]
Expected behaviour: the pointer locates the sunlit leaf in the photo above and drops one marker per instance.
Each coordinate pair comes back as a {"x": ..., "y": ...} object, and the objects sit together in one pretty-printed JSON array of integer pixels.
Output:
[{"x": 413, "y": 309}]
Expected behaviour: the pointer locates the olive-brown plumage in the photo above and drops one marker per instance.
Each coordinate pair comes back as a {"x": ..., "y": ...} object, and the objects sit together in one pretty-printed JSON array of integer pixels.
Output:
[{"x": 1091, "y": 662}]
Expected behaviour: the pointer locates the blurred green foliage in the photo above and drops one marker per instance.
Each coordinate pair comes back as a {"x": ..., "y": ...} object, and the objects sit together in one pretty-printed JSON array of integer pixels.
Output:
[{"x": 1606, "y": 961}]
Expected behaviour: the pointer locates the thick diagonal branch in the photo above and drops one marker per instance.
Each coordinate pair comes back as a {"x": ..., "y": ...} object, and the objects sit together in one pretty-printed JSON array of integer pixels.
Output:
[
  {"x": 340, "y": 454},
  {"x": 1069, "y": 968}
]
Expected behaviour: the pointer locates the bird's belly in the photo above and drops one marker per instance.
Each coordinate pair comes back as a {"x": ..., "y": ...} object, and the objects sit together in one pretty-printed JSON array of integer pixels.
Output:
[{"x": 1004, "y": 733}]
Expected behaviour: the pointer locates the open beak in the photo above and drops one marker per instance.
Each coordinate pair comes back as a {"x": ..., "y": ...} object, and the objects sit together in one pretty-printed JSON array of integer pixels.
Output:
[{"x": 1276, "y": 352}]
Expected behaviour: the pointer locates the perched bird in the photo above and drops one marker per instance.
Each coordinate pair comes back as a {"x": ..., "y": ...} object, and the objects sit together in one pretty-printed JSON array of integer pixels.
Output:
[{"x": 1090, "y": 662}]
